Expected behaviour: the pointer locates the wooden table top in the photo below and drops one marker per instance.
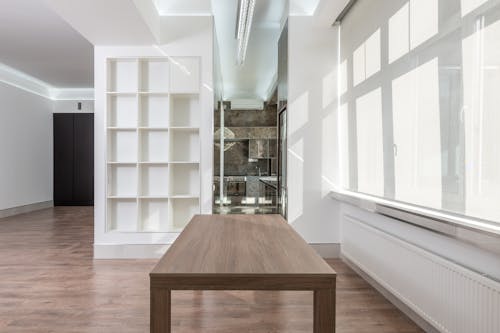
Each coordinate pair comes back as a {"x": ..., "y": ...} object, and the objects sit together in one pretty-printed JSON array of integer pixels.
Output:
[{"x": 249, "y": 245}]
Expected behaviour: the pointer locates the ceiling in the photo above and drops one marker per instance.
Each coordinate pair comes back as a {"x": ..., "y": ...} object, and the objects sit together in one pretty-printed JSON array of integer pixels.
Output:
[
  {"x": 204, "y": 7},
  {"x": 257, "y": 76},
  {"x": 36, "y": 41},
  {"x": 184, "y": 7}
]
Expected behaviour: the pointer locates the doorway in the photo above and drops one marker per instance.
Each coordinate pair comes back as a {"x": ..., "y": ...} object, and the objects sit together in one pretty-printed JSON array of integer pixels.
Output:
[
  {"x": 245, "y": 159},
  {"x": 282, "y": 165}
]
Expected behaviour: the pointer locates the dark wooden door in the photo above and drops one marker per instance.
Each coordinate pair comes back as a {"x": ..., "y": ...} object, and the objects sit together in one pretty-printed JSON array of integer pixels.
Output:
[{"x": 74, "y": 159}]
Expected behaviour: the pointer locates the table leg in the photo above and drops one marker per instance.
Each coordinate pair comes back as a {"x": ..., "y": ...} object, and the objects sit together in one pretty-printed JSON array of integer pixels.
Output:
[
  {"x": 324, "y": 311},
  {"x": 160, "y": 310}
]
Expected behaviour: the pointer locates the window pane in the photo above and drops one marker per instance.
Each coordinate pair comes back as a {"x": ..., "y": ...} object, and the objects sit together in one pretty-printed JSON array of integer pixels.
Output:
[
  {"x": 370, "y": 148},
  {"x": 417, "y": 146}
]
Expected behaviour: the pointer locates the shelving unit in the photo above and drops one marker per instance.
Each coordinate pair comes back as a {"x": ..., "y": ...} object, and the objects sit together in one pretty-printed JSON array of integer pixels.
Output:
[{"x": 153, "y": 151}]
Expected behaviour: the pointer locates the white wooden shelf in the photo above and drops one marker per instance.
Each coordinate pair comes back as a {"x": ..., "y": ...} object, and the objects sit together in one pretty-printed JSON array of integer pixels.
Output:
[
  {"x": 184, "y": 196},
  {"x": 153, "y": 93},
  {"x": 121, "y": 93},
  {"x": 188, "y": 129},
  {"x": 121, "y": 163},
  {"x": 153, "y": 128},
  {"x": 185, "y": 111},
  {"x": 181, "y": 210},
  {"x": 152, "y": 119},
  {"x": 122, "y": 128},
  {"x": 154, "y": 163}
]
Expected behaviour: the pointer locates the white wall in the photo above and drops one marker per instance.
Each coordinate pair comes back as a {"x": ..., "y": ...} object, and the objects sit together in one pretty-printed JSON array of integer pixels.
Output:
[
  {"x": 64, "y": 106},
  {"x": 312, "y": 145},
  {"x": 25, "y": 147}
]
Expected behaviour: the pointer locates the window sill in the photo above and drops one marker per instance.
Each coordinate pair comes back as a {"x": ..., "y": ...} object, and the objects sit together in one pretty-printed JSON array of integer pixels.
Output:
[{"x": 481, "y": 233}]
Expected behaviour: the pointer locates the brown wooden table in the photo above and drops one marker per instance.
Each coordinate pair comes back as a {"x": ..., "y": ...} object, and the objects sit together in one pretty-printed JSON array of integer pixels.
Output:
[{"x": 241, "y": 252}]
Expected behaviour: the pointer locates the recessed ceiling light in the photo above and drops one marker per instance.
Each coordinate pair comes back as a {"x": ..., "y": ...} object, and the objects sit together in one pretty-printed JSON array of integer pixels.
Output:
[{"x": 245, "y": 18}]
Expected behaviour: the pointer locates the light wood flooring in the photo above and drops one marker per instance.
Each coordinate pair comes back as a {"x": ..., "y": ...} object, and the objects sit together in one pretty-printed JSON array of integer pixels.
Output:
[{"x": 50, "y": 283}]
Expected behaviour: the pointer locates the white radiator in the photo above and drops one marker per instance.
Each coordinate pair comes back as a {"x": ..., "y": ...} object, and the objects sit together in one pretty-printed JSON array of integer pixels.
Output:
[{"x": 450, "y": 297}]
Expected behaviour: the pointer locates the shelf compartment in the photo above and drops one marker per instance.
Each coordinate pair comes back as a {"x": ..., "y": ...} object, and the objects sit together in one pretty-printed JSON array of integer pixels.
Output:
[
  {"x": 184, "y": 110},
  {"x": 184, "y": 180},
  {"x": 122, "y": 146},
  {"x": 155, "y": 75},
  {"x": 154, "y": 146},
  {"x": 153, "y": 163},
  {"x": 154, "y": 215},
  {"x": 122, "y": 163},
  {"x": 122, "y": 215},
  {"x": 122, "y": 181},
  {"x": 123, "y": 75},
  {"x": 122, "y": 128},
  {"x": 154, "y": 180},
  {"x": 153, "y": 128},
  {"x": 184, "y": 146},
  {"x": 181, "y": 211},
  {"x": 122, "y": 111},
  {"x": 185, "y": 75},
  {"x": 182, "y": 162},
  {"x": 154, "y": 111}
]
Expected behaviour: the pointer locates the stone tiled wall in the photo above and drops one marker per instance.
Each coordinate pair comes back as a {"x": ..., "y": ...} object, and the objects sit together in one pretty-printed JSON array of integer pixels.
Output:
[
  {"x": 255, "y": 140},
  {"x": 249, "y": 118}
]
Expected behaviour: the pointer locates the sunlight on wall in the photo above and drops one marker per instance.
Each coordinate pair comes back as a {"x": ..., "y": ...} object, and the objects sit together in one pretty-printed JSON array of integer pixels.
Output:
[
  {"x": 343, "y": 146},
  {"x": 366, "y": 58},
  {"x": 481, "y": 70},
  {"x": 329, "y": 138},
  {"x": 370, "y": 143},
  {"x": 470, "y": 5},
  {"x": 417, "y": 137},
  {"x": 329, "y": 148},
  {"x": 295, "y": 180},
  {"x": 300, "y": 109},
  {"x": 343, "y": 78},
  {"x": 329, "y": 89}
]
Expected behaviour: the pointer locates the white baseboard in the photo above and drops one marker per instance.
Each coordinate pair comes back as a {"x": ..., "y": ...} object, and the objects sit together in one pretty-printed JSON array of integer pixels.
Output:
[
  {"x": 25, "y": 208},
  {"x": 155, "y": 251},
  {"x": 129, "y": 251},
  {"x": 327, "y": 250}
]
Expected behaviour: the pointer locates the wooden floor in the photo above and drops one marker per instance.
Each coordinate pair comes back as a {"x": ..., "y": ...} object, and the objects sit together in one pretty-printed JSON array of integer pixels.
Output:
[{"x": 50, "y": 283}]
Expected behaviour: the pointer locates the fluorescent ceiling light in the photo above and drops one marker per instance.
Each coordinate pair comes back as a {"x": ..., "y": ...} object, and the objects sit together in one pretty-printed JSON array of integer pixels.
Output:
[{"x": 244, "y": 25}]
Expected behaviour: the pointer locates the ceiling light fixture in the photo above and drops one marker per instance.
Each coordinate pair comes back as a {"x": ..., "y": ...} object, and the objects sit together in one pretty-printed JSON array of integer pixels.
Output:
[{"x": 245, "y": 18}]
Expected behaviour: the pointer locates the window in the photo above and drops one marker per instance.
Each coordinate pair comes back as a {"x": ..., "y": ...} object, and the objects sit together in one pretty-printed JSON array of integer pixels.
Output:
[{"x": 425, "y": 129}]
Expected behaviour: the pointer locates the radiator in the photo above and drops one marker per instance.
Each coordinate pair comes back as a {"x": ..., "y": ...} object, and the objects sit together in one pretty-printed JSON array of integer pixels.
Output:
[{"x": 450, "y": 297}]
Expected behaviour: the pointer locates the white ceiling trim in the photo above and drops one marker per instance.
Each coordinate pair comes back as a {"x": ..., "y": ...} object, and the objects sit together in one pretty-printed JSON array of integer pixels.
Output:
[
  {"x": 183, "y": 7},
  {"x": 247, "y": 104},
  {"x": 185, "y": 14},
  {"x": 72, "y": 94},
  {"x": 18, "y": 79}
]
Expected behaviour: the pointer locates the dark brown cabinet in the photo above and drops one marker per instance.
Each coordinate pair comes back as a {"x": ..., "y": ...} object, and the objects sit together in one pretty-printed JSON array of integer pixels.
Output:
[{"x": 73, "y": 159}]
